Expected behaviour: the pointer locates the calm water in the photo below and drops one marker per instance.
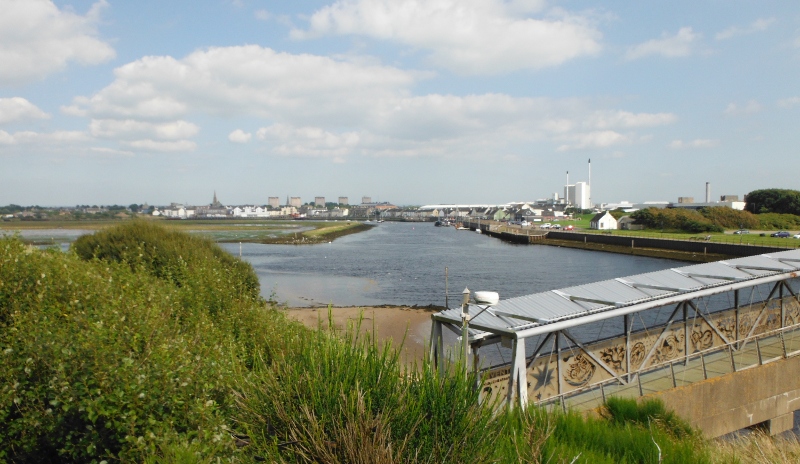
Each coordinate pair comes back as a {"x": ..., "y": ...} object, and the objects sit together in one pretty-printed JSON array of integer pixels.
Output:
[{"x": 403, "y": 263}]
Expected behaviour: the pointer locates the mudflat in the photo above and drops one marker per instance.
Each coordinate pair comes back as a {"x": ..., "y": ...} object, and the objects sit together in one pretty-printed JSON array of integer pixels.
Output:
[{"x": 409, "y": 325}]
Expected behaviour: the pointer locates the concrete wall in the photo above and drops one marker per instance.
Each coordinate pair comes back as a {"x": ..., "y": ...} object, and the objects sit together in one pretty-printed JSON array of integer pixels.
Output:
[
  {"x": 666, "y": 244},
  {"x": 768, "y": 393}
]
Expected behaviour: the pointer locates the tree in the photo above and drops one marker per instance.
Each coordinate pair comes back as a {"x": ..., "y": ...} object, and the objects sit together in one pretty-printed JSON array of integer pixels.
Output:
[{"x": 781, "y": 201}]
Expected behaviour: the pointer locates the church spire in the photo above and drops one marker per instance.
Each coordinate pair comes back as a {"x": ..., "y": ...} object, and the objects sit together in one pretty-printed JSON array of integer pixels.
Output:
[{"x": 215, "y": 198}]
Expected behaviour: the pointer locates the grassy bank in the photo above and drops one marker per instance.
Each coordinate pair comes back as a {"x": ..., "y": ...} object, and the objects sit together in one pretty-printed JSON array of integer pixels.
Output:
[
  {"x": 144, "y": 344},
  {"x": 636, "y": 251},
  {"x": 321, "y": 232},
  {"x": 221, "y": 231}
]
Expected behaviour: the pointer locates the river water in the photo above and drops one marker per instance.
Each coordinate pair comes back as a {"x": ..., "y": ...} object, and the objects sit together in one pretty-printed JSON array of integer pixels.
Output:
[{"x": 404, "y": 264}]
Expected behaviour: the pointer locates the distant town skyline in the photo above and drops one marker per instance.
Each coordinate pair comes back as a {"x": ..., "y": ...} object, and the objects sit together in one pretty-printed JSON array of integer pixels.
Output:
[{"x": 408, "y": 101}]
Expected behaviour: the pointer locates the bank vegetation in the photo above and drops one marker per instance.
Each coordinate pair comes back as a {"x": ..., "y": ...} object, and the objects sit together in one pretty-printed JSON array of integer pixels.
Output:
[{"x": 143, "y": 344}]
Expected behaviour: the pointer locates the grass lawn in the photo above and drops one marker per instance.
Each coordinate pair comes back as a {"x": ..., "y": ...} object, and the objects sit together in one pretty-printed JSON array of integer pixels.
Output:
[{"x": 744, "y": 239}]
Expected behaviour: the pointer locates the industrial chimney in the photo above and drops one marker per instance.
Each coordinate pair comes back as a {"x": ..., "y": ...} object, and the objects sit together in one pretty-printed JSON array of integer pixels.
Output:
[{"x": 708, "y": 192}]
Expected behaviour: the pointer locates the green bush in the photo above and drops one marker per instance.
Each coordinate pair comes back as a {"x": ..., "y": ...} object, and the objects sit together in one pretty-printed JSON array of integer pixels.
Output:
[
  {"x": 773, "y": 221},
  {"x": 208, "y": 276},
  {"x": 93, "y": 365}
]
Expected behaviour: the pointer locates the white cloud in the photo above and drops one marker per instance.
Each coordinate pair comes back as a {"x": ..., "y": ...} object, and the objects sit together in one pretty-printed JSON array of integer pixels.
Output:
[
  {"x": 111, "y": 152},
  {"x": 604, "y": 120},
  {"x": 242, "y": 80},
  {"x": 318, "y": 106},
  {"x": 467, "y": 36},
  {"x": 157, "y": 145},
  {"x": 37, "y": 39},
  {"x": 697, "y": 143},
  {"x": 596, "y": 139},
  {"x": 751, "y": 107},
  {"x": 131, "y": 129},
  {"x": 19, "y": 109},
  {"x": 789, "y": 102},
  {"x": 239, "y": 136},
  {"x": 31, "y": 137},
  {"x": 308, "y": 141},
  {"x": 756, "y": 26},
  {"x": 679, "y": 45}
]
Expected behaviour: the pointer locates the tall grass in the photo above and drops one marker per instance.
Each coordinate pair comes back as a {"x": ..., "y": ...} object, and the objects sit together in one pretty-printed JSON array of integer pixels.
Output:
[
  {"x": 335, "y": 398},
  {"x": 758, "y": 448}
]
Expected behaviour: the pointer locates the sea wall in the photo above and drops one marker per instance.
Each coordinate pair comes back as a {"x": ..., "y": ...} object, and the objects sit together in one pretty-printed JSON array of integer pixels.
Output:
[{"x": 687, "y": 246}]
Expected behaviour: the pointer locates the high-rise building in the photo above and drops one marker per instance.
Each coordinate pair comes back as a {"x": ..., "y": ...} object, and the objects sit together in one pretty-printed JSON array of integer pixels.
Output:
[
  {"x": 295, "y": 201},
  {"x": 344, "y": 201},
  {"x": 274, "y": 202},
  {"x": 319, "y": 201},
  {"x": 366, "y": 200}
]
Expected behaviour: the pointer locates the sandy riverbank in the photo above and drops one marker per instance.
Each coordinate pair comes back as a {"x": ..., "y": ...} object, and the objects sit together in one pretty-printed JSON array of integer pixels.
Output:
[{"x": 388, "y": 323}]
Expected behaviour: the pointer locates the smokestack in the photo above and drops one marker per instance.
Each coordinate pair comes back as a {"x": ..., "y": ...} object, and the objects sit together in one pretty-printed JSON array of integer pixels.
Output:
[
  {"x": 708, "y": 192},
  {"x": 566, "y": 190}
]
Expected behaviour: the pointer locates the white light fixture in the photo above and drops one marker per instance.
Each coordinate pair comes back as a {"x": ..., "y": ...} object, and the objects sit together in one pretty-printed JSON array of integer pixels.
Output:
[{"x": 487, "y": 298}]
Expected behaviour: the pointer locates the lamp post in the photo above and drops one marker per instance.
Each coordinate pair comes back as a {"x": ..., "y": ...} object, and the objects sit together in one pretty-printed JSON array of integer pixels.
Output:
[{"x": 465, "y": 324}]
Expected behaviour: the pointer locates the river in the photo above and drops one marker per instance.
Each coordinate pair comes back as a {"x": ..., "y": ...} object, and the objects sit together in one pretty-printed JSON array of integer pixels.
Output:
[{"x": 404, "y": 264}]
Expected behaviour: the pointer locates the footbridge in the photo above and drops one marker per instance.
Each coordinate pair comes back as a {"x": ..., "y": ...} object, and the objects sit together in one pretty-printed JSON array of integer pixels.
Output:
[{"x": 718, "y": 342}]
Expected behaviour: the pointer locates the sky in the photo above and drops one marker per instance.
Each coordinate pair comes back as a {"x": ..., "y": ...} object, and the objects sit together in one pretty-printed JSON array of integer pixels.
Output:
[{"x": 407, "y": 101}]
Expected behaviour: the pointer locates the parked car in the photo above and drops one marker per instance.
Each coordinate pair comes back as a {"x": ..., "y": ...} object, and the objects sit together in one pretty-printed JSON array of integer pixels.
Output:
[
  {"x": 569, "y": 227},
  {"x": 524, "y": 224},
  {"x": 781, "y": 234},
  {"x": 742, "y": 231},
  {"x": 556, "y": 226},
  {"x": 546, "y": 225},
  {"x": 796, "y": 236}
]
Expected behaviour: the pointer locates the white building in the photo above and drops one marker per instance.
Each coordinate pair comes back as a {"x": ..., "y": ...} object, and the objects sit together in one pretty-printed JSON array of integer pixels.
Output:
[
  {"x": 578, "y": 195},
  {"x": 603, "y": 221}
]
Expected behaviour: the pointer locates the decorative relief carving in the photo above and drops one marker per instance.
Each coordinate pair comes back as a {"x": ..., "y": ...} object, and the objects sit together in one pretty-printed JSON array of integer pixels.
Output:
[
  {"x": 637, "y": 355},
  {"x": 772, "y": 321},
  {"x": 580, "y": 371},
  {"x": 670, "y": 348},
  {"x": 543, "y": 377},
  {"x": 702, "y": 339},
  {"x": 614, "y": 357},
  {"x": 745, "y": 324},
  {"x": 727, "y": 325},
  {"x": 792, "y": 314}
]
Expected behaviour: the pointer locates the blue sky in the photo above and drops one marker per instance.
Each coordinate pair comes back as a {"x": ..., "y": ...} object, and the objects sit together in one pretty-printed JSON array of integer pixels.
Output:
[{"x": 407, "y": 101}]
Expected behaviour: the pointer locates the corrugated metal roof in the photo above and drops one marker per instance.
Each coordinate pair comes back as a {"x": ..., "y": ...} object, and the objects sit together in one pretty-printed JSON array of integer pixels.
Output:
[{"x": 515, "y": 314}]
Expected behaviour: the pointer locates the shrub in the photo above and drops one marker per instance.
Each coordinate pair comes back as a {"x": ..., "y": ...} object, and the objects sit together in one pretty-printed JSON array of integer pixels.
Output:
[
  {"x": 93, "y": 365},
  {"x": 208, "y": 276}
]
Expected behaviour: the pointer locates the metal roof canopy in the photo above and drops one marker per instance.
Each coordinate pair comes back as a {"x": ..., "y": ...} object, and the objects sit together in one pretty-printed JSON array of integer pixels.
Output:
[{"x": 545, "y": 312}]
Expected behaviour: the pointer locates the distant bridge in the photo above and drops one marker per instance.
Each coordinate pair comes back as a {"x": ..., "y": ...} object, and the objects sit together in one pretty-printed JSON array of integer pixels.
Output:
[{"x": 718, "y": 342}]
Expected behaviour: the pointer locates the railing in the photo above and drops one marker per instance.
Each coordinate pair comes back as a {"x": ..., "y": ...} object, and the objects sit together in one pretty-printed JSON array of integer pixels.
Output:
[
  {"x": 692, "y": 346},
  {"x": 697, "y": 367}
]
